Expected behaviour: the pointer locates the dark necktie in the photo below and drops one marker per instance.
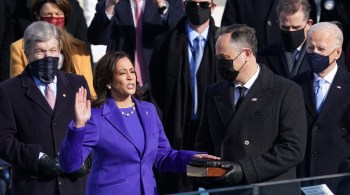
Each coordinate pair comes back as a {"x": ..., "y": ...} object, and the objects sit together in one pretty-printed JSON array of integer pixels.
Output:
[{"x": 241, "y": 96}]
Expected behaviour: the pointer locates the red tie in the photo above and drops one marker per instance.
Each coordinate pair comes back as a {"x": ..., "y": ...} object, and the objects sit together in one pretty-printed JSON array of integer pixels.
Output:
[
  {"x": 50, "y": 96},
  {"x": 139, "y": 63}
]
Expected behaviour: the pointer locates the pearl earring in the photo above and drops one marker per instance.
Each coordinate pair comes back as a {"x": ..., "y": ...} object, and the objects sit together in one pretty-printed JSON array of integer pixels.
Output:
[{"x": 109, "y": 87}]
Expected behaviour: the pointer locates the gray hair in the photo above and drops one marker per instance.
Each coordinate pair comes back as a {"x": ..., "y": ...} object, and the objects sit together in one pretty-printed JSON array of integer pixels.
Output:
[
  {"x": 328, "y": 27},
  {"x": 39, "y": 31},
  {"x": 242, "y": 36}
]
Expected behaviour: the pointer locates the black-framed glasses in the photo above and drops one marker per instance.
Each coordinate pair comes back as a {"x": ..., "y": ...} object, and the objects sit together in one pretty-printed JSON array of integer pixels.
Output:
[{"x": 193, "y": 4}]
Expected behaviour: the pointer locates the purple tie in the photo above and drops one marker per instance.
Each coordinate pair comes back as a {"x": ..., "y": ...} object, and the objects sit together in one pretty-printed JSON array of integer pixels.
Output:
[
  {"x": 139, "y": 63},
  {"x": 50, "y": 96}
]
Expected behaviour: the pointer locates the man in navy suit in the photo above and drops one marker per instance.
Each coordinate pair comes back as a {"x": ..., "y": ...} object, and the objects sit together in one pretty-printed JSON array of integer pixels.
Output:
[
  {"x": 254, "y": 118},
  {"x": 326, "y": 92},
  {"x": 287, "y": 57},
  {"x": 35, "y": 110},
  {"x": 115, "y": 25}
]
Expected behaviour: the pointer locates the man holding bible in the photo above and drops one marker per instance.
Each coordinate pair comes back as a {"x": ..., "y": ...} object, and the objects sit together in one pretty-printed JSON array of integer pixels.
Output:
[{"x": 253, "y": 118}]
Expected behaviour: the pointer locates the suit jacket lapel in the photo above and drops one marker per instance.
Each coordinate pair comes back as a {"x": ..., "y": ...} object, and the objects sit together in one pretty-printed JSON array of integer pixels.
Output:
[
  {"x": 257, "y": 96},
  {"x": 297, "y": 64},
  {"x": 283, "y": 61},
  {"x": 309, "y": 96},
  {"x": 224, "y": 102},
  {"x": 34, "y": 93},
  {"x": 335, "y": 91},
  {"x": 115, "y": 118},
  {"x": 64, "y": 93},
  {"x": 144, "y": 115}
]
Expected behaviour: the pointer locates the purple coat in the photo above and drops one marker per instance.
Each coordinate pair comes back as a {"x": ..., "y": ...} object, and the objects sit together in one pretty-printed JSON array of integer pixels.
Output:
[{"x": 119, "y": 167}]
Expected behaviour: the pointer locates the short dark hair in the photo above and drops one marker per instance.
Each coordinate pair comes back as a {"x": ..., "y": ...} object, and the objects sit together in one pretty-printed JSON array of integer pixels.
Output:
[
  {"x": 242, "y": 36},
  {"x": 292, "y": 6}
]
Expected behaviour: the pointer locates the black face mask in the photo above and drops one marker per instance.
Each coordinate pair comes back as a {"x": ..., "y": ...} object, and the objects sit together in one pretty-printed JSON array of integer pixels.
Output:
[
  {"x": 226, "y": 69},
  {"x": 198, "y": 15},
  {"x": 44, "y": 69},
  {"x": 292, "y": 39}
]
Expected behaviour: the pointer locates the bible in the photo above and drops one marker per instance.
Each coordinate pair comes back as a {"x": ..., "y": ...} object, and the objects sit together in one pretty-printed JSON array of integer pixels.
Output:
[{"x": 207, "y": 168}]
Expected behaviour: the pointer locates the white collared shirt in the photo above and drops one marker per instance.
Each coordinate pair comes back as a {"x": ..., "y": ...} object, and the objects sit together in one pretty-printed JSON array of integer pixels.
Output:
[
  {"x": 41, "y": 85},
  {"x": 247, "y": 85}
]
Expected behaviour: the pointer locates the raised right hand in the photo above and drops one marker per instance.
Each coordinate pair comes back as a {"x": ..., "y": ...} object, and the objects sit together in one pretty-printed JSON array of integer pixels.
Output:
[{"x": 82, "y": 108}]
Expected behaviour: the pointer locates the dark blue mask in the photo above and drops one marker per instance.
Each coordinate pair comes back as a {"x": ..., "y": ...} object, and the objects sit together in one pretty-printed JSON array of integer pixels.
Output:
[
  {"x": 44, "y": 69},
  {"x": 318, "y": 63}
]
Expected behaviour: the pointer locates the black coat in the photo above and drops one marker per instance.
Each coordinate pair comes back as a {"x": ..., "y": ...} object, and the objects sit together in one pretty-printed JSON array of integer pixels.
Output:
[
  {"x": 326, "y": 144},
  {"x": 267, "y": 135},
  {"x": 171, "y": 81},
  {"x": 6, "y": 37},
  {"x": 119, "y": 33},
  {"x": 340, "y": 13},
  {"x": 29, "y": 126},
  {"x": 274, "y": 58}
]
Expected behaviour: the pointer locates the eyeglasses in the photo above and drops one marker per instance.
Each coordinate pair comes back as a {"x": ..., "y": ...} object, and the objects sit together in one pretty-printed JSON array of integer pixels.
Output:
[{"x": 192, "y": 4}]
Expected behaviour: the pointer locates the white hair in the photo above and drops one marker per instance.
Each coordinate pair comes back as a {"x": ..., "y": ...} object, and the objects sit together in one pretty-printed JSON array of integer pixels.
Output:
[{"x": 328, "y": 27}]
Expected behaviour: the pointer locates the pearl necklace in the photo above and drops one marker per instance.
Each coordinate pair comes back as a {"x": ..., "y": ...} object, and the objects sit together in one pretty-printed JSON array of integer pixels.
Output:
[{"x": 132, "y": 110}]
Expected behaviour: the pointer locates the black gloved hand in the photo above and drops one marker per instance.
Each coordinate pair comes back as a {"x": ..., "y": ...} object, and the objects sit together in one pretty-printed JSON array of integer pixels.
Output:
[
  {"x": 233, "y": 176},
  {"x": 209, "y": 182},
  {"x": 85, "y": 168},
  {"x": 49, "y": 166}
]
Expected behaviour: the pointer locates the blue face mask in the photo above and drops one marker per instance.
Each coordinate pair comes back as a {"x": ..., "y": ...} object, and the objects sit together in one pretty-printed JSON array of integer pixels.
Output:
[{"x": 318, "y": 63}]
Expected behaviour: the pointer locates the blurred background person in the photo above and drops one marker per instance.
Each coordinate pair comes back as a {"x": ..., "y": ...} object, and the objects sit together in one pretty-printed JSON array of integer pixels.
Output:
[
  {"x": 74, "y": 21},
  {"x": 74, "y": 57},
  {"x": 131, "y": 26},
  {"x": 335, "y": 10},
  {"x": 35, "y": 109},
  {"x": 124, "y": 133},
  {"x": 326, "y": 91},
  {"x": 287, "y": 56},
  {"x": 260, "y": 15},
  {"x": 6, "y": 37},
  {"x": 188, "y": 52}
]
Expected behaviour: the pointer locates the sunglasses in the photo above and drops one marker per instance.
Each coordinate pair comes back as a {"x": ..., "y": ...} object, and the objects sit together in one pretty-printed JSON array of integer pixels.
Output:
[{"x": 192, "y": 4}]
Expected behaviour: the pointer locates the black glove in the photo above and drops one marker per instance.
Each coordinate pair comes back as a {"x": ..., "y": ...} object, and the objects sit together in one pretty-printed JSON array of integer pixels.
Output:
[
  {"x": 209, "y": 182},
  {"x": 233, "y": 176},
  {"x": 85, "y": 168},
  {"x": 49, "y": 166}
]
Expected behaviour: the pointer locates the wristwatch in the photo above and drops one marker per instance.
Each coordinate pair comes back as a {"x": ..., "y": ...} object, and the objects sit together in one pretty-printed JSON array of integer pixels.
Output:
[{"x": 164, "y": 8}]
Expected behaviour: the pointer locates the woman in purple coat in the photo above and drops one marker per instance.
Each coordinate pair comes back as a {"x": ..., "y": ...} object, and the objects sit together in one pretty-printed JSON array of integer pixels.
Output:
[{"x": 124, "y": 133}]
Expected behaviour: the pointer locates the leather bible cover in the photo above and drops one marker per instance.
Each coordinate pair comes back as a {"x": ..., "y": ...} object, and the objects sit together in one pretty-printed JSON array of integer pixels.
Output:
[{"x": 206, "y": 168}]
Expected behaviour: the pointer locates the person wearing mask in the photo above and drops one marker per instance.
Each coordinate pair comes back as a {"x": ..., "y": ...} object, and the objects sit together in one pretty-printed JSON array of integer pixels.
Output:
[
  {"x": 287, "y": 57},
  {"x": 183, "y": 64},
  {"x": 74, "y": 57},
  {"x": 131, "y": 26},
  {"x": 35, "y": 109},
  {"x": 326, "y": 92},
  {"x": 254, "y": 118},
  {"x": 74, "y": 23},
  {"x": 124, "y": 134}
]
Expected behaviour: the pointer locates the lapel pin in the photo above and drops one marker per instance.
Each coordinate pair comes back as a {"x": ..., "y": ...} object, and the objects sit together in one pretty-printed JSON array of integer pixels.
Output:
[
  {"x": 254, "y": 99},
  {"x": 64, "y": 95},
  {"x": 338, "y": 87}
]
